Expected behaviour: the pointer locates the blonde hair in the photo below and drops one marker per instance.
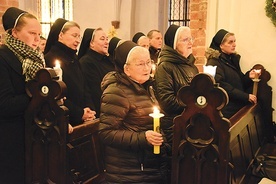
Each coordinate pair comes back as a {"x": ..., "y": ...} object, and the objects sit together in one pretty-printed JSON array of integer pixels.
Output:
[
  {"x": 21, "y": 21},
  {"x": 226, "y": 36},
  {"x": 69, "y": 25}
]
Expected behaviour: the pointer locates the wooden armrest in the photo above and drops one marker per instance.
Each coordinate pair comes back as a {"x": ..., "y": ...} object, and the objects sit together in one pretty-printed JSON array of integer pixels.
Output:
[
  {"x": 240, "y": 120},
  {"x": 84, "y": 129}
]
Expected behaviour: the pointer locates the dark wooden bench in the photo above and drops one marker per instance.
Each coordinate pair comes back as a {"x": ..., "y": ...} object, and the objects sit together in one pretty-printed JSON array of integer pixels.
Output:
[
  {"x": 85, "y": 155},
  {"x": 209, "y": 149},
  {"x": 53, "y": 156}
]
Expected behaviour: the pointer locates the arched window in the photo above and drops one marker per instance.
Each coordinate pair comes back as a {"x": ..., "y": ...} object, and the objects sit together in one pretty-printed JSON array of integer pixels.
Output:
[
  {"x": 50, "y": 10},
  {"x": 179, "y": 12}
]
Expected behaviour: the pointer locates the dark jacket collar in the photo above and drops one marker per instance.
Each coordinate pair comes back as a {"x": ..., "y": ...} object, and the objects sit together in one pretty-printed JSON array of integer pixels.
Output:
[
  {"x": 96, "y": 55},
  {"x": 168, "y": 54},
  {"x": 231, "y": 60},
  {"x": 70, "y": 52}
]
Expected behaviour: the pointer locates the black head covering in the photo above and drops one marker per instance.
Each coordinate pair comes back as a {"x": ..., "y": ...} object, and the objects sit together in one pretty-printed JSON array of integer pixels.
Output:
[
  {"x": 53, "y": 34},
  {"x": 137, "y": 36},
  {"x": 85, "y": 42},
  {"x": 11, "y": 16},
  {"x": 170, "y": 35},
  {"x": 121, "y": 54},
  {"x": 113, "y": 43},
  {"x": 217, "y": 39}
]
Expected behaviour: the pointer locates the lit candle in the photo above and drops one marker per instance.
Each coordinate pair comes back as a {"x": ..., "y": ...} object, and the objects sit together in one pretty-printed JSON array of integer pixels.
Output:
[
  {"x": 153, "y": 69},
  {"x": 156, "y": 126},
  {"x": 209, "y": 69},
  {"x": 58, "y": 70},
  {"x": 256, "y": 80}
]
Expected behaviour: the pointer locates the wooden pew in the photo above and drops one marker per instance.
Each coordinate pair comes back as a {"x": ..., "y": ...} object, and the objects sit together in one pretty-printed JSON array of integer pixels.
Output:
[
  {"x": 85, "y": 155},
  {"x": 53, "y": 156},
  {"x": 209, "y": 149},
  {"x": 46, "y": 130},
  {"x": 247, "y": 137},
  {"x": 251, "y": 129}
]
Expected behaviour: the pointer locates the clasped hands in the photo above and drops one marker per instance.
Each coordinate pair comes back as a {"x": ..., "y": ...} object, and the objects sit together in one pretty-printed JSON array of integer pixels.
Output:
[{"x": 88, "y": 114}]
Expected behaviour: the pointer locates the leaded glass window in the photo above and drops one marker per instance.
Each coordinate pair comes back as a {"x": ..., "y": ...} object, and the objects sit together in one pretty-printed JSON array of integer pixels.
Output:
[
  {"x": 179, "y": 12},
  {"x": 50, "y": 10}
]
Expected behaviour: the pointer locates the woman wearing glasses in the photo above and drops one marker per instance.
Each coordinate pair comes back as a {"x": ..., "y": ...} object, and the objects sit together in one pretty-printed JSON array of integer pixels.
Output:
[
  {"x": 126, "y": 129},
  {"x": 175, "y": 69},
  {"x": 61, "y": 46}
]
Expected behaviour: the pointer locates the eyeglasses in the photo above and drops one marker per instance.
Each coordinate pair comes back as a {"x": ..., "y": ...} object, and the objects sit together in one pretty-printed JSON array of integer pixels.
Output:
[
  {"x": 75, "y": 35},
  {"x": 188, "y": 39},
  {"x": 143, "y": 64}
]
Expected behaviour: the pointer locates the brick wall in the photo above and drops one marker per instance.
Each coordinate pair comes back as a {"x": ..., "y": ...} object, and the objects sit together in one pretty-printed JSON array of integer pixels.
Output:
[
  {"x": 198, "y": 17},
  {"x": 4, "y": 4}
]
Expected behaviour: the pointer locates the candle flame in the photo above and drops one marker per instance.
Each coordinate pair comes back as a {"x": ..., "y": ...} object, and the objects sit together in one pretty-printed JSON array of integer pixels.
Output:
[
  {"x": 257, "y": 70},
  {"x": 153, "y": 66},
  {"x": 57, "y": 64},
  {"x": 156, "y": 110}
]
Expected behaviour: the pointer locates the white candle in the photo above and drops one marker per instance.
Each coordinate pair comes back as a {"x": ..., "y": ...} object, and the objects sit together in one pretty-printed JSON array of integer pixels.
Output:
[
  {"x": 153, "y": 69},
  {"x": 256, "y": 80},
  {"x": 58, "y": 70},
  {"x": 209, "y": 69},
  {"x": 156, "y": 126}
]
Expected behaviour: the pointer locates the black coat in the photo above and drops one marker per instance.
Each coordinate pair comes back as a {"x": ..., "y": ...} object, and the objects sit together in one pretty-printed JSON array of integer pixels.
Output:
[
  {"x": 154, "y": 54},
  {"x": 230, "y": 77},
  {"x": 13, "y": 103},
  {"x": 173, "y": 72},
  {"x": 95, "y": 66},
  {"x": 76, "y": 96},
  {"x": 124, "y": 119}
]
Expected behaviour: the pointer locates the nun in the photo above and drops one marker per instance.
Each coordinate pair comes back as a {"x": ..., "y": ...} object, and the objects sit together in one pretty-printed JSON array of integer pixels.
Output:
[
  {"x": 20, "y": 59},
  {"x": 61, "y": 50},
  {"x": 95, "y": 62}
]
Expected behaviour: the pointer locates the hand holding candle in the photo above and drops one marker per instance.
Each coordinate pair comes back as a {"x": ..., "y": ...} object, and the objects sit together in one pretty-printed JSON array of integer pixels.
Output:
[
  {"x": 255, "y": 74},
  {"x": 156, "y": 126},
  {"x": 58, "y": 70}
]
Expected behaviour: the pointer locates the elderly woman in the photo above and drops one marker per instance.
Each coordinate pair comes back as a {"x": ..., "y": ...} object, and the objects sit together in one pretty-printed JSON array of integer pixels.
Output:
[
  {"x": 20, "y": 59},
  {"x": 229, "y": 75},
  {"x": 125, "y": 125},
  {"x": 95, "y": 62},
  {"x": 175, "y": 69},
  {"x": 61, "y": 45},
  {"x": 141, "y": 39}
]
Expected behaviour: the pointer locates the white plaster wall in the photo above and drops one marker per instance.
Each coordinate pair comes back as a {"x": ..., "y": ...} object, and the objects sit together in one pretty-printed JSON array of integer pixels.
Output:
[
  {"x": 146, "y": 15},
  {"x": 255, "y": 34},
  {"x": 94, "y": 13},
  {"x": 135, "y": 15}
]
